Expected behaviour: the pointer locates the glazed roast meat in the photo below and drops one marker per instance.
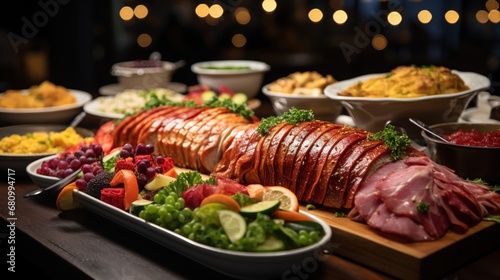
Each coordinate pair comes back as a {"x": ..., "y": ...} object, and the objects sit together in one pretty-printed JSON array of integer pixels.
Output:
[{"x": 323, "y": 163}]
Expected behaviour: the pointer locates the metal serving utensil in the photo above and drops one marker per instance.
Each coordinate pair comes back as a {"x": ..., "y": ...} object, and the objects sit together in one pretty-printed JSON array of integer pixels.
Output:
[
  {"x": 428, "y": 129},
  {"x": 56, "y": 186}
]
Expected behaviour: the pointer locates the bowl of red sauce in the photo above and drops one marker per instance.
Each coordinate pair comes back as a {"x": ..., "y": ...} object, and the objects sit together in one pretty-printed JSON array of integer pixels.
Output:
[{"x": 473, "y": 150}]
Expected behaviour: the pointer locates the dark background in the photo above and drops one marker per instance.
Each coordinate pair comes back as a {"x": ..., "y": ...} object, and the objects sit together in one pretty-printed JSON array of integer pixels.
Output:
[{"x": 74, "y": 43}]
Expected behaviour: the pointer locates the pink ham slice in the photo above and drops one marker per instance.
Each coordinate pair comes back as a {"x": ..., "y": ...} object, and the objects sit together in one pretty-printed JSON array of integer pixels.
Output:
[{"x": 388, "y": 200}]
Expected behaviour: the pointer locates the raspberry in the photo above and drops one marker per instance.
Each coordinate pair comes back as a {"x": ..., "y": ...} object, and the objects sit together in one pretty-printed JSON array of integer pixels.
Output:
[
  {"x": 114, "y": 196},
  {"x": 124, "y": 164}
]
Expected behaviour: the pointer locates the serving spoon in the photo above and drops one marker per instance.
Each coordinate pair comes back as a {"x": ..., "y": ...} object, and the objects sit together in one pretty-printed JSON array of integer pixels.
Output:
[
  {"x": 56, "y": 186},
  {"x": 429, "y": 130}
]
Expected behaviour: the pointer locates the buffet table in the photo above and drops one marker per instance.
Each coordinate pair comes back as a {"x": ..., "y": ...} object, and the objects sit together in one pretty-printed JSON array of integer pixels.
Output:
[{"x": 82, "y": 245}]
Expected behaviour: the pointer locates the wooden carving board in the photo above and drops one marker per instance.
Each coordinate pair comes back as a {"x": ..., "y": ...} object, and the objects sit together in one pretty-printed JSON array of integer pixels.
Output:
[{"x": 420, "y": 260}]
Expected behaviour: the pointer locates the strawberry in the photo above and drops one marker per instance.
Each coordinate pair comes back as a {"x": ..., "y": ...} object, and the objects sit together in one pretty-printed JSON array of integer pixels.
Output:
[{"x": 124, "y": 164}]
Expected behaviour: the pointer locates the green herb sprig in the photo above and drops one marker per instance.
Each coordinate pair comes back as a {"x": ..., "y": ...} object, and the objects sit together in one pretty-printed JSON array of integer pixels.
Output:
[
  {"x": 293, "y": 116},
  {"x": 396, "y": 142}
]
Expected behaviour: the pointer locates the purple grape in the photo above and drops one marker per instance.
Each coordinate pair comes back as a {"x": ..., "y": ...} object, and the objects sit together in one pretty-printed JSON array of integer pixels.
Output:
[
  {"x": 53, "y": 163},
  {"x": 70, "y": 158},
  {"x": 98, "y": 150},
  {"x": 150, "y": 149},
  {"x": 150, "y": 172},
  {"x": 82, "y": 159},
  {"x": 60, "y": 173},
  {"x": 67, "y": 172},
  {"x": 89, "y": 153},
  {"x": 62, "y": 165},
  {"x": 142, "y": 166},
  {"x": 124, "y": 154},
  {"x": 88, "y": 176},
  {"x": 140, "y": 149},
  {"x": 81, "y": 184},
  {"x": 158, "y": 169},
  {"x": 128, "y": 147},
  {"x": 142, "y": 179},
  {"x": 160, "y": 159},
  {"x": 75, "y": 164},
  {"x": 79, "y": 153},
  {"x": 86, "y": 168}
]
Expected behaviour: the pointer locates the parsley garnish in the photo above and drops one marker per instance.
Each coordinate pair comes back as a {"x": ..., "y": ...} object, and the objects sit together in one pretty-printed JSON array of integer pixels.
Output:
[
  {"x": 154, "y": 101},
  {"x": 397, "y": 143},
  {"x": 293, "y": 116},
  {"x": 423, "y": 207}
]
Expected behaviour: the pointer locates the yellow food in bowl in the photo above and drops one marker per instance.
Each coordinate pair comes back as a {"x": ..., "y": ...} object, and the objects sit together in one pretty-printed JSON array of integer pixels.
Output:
[
  {"x": 44, "y": 95},
  {"x": 40, "y": 142},
  {"x": 407, "y": 82},
  {"x": 304, "y": 83}
]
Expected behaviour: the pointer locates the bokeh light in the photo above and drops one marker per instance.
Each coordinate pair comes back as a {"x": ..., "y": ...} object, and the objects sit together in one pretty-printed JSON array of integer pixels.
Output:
[
  {"x": 451, "y": 16},
  {"x": 144, "y": 40},
  {"x": 394, "y": 18},
  {"x": 424, "y": 16},
  {"x": 126, "y": 13},
  {"x": 379, "y": 42},
  {"x": 269, "y": 5},
  {"x": 315, "y": 15},
  {"x": 242, "y": 16},
  {"x": 239, "y": 40},
  {"x": 141, "y": 11},
  {"x": 340, "y": 17},
  {"x": 201, "y": 10}
]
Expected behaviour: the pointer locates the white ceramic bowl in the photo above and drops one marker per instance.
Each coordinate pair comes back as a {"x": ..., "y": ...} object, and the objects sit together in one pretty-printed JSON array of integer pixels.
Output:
[
  {"x": 372, "y": 114},
  {"x": 218, "y": 73},
  {"x": 19, "y": 162},
  {"x": 42, "y": 181},
  {"x": 143, "y": 74},
  {"x": 53, "y": 115},
  {"x": 324, "y": 108}
]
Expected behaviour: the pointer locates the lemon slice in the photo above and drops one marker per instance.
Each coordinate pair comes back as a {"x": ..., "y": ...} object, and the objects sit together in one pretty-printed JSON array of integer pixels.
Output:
[
  {"x": 65, "y": 200},
  {"x": 287, "y": 198},
  {"x": 234, "y": 224}
]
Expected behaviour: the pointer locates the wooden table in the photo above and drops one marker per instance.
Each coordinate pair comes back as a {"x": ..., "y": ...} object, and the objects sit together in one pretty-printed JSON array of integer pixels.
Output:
[
  {"x": 79, "y": 244},
  {"x": 83, "y": 245}
]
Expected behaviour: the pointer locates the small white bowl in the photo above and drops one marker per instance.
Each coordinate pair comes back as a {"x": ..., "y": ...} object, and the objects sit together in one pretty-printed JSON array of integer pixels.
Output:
[
  {"x": 218, "y": 73},
  {"x": 42, "y": 181},
  {"x": 143, "y": 74},
  {"x": 372, "y": 114},
  {"x": 324, "y": 108}
]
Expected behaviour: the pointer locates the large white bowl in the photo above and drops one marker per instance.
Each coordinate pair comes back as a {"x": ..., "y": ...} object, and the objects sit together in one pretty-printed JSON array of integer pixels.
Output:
[
  {"x": 324, "y": 108},
  {"x": 54, "y": 115},
  {"x": 143, "y": 75},
  {"x": 248, "y": 81},
  {"x": 372, "y": 114}
]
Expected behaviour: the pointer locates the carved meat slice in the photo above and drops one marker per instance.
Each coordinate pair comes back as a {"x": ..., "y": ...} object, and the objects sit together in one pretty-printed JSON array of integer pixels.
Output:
[
  {"x": 337, "y": 183},
  {"x": 342, "y": 142},
  {"x": 293, "y": 151}
]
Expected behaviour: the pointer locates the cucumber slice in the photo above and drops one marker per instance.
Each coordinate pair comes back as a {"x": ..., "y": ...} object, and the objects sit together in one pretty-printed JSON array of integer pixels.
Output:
[
  {"x": 304, "y": 225},
  {"x": 137, "y": 206},
  {"x": 264, "y": 207},
  {"x": 272, "y": 244},
  {"x": 240, "y": 98},
  {"x": 207, "y": 95}
]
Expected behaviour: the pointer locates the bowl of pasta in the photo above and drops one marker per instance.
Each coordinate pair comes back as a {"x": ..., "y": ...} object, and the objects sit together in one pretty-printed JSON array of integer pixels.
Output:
[{"x": 432, "y": 94}]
